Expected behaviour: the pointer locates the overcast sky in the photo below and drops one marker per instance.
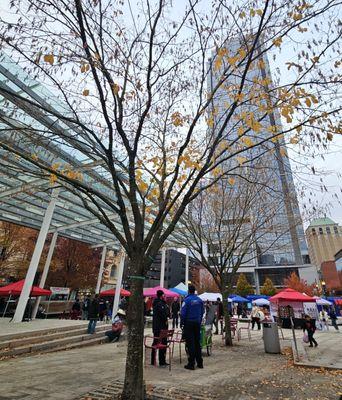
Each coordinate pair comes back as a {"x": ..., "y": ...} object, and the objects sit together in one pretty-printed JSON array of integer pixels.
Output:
[{"x": 329, "y": 164}]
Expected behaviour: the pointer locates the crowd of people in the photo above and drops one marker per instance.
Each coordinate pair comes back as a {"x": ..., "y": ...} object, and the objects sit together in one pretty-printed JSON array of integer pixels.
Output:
[{"x": 188, "y": 314}]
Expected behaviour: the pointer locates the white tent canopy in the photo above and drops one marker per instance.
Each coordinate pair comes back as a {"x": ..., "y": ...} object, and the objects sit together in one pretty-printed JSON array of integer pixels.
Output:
[
  {"x": 261, "y": 302},
  {"x": 322, "y": 302},
  {"x": 181, "y": 286},
  {"x": 211, "y": 296}
]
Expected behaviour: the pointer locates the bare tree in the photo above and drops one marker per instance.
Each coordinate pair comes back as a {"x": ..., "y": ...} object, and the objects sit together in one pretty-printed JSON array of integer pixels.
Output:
[
  {"x": 232, "y": 225},
  {"x": 130, "y": 93}
]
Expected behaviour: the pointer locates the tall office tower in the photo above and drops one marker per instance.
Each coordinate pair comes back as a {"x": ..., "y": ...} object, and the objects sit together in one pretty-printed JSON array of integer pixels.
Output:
[{"x": 280, "y": 242}]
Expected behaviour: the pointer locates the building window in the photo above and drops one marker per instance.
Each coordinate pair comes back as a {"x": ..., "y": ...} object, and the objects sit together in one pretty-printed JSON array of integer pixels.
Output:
[
  {"x": 336, "y": 230},
  {"x": 313, "y": 231},
  {"x": 320, "y": 231},
  {"x": 328, "y": 230}
]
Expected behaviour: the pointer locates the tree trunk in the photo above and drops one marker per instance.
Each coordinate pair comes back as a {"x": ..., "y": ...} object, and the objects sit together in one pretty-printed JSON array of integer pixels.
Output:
[
  {"x": 228, "y": 341},
  {"x": 134, "y": 386},
  {"x": 226, "y": 291}
]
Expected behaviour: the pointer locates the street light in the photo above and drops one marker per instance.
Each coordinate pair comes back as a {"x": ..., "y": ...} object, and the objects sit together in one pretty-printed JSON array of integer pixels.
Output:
[{"x": 323, "y": 288}]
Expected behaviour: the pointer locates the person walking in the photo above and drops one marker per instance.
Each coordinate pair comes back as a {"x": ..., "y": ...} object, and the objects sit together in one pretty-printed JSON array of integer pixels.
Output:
[
  {"x": 333, "y": 318},
  {"x": 160, "y": 322},
  {"x": 323, "y": 319},
  {"x": 255, "y": 316},
  {"x": 85, "y": 308},
  {"x": 210, "y": 310},
  {"x": 219, "y": 316},
  {"x": 93, "y": 314},
  {"x": 175, "y": 308},
  {"x": 191, "y": 317},
  {"x": 310, "y": 326},
  {"x": 75, "y": 310}
]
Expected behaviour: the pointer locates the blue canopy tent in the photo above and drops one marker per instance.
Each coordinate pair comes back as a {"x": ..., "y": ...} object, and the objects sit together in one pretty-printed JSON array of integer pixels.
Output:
[
  {"x": 238, "y": 299},
  {"x": 179, "y": 291},
  {"x": 252, "y": 297}
]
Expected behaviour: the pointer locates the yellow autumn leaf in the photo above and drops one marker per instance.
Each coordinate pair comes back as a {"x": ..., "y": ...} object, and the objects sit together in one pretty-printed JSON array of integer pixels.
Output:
[
  {"x": 52, "y": 179},
  {"x": 49, "y": 58},
  {"x": 278, "y": 41},
  {"x": 239, "y": 97},
  {"x": 218, "y": 63},
  {"x": 85, "y": 92},
  {"x": 116, "y": 88},
  {"x": 259, "y": 12},
  {"x": 142, "y": 186},
  {"x": 210, "y": 122},
  {"x": 283, "y": 152},
  {"x": 247, "y": 141},
  {"x": 231, "y": 181},
  {"x": 85, "y": 67},
  {"x": 308, "y": 102},
  {"x": 34, "y": 157},
  {"x": 177, "y": 119},
  {"x": 242, "y": 15},
  {"x": 242, "y": 53},
  {"x": 241, "y": 159},
  {"x": 294, "y": 140},
  {"x": 240, "y": 130},
  {"x": 252, "y": 12},
  {"x": 297, "y": 17}
]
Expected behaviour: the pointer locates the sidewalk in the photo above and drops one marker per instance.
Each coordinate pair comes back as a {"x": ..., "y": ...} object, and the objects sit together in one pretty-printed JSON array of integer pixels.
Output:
[
  {"x": 243, "y": 372},
  {"x": 328, "y": 354}
]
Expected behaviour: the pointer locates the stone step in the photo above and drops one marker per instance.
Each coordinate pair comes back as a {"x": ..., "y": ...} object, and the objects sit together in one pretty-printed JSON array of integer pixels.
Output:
[
  {"x": 41, "y": 332},
  {"x": 21, "y": 342},
  {"x": 90, "y": 342},
  {"x": 52, "y": 345}
]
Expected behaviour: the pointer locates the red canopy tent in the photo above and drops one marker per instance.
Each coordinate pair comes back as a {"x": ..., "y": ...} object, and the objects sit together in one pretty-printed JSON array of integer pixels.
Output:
[
  {"x": 14, "y": 289},
  {"x": 111, "y": 293},
  {"x": 291, "y": 295},
  {"x": 152, "y": 292}
]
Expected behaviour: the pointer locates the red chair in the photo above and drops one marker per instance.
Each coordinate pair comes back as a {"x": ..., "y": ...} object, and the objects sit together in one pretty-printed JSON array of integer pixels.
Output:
[
  {"x": 233, "y": 328},
  {"x": 178, "y": 339},
  {"x": 156, "y": 343},
  {"x": 247, "y": 328}
]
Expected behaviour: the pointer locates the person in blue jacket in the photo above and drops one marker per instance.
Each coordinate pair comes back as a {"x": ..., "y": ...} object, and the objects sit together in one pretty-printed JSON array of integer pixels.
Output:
[{"x": 191, "y": 317}]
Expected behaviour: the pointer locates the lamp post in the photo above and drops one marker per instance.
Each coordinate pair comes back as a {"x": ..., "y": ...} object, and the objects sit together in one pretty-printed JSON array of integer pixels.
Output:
[{"x": 323, "y": 288}]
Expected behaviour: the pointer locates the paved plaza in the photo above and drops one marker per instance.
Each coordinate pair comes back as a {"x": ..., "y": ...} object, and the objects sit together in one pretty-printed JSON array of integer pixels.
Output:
[{"x": 241, "y": 372}]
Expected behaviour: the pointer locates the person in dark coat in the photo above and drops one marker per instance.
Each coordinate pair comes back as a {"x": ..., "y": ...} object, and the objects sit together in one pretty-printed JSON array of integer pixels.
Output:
[
  {"x": 309, "y": 325},
  {"x": 175, "y": 307},
  {"x": 333, "y": 318},
  {"x": 159, "y": 323},
  {"x": 191, "y": 319},
  {"x": 219, "y": 316},
  {"x": 93, "y": 314}
]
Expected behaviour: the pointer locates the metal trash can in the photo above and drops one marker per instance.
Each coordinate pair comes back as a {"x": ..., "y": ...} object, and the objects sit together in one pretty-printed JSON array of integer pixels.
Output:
[{"x": 271, "y": 337}]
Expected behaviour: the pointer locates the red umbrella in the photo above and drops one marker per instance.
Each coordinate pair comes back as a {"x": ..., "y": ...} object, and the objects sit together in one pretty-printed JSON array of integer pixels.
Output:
[
  {"x": 111, "y": 293},
  {"x": 15, "y": 289},
  {"x": 291, "y": 295}
]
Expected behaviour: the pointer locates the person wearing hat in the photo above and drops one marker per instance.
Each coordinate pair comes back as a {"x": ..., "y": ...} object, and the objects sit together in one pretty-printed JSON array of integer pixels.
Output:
[
  {"x": 160, "y": 322},
  {"x": 191, "y": 318},
  {"x": 117, "y": 326}
]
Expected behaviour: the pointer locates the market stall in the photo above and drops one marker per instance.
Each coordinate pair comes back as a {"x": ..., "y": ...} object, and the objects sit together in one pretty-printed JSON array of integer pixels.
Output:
[
  {"x": 14, "y": 290},
  {"x": 290, "y": 304}
]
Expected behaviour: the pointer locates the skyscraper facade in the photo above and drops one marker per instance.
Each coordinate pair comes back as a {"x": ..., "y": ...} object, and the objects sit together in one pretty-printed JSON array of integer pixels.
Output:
[{"x": 280, "y": 246}]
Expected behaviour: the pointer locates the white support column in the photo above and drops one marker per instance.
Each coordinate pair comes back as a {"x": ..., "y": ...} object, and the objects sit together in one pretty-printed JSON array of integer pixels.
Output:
[
  {"x": 45, "y": 271},
  {"x": 32, "y": 269},
  {"x": 162, "y": 267},
  {"x": 118, "y": 284},
  {"x": 102, "y": 263},
  {"x": 187, "y": 268}
]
